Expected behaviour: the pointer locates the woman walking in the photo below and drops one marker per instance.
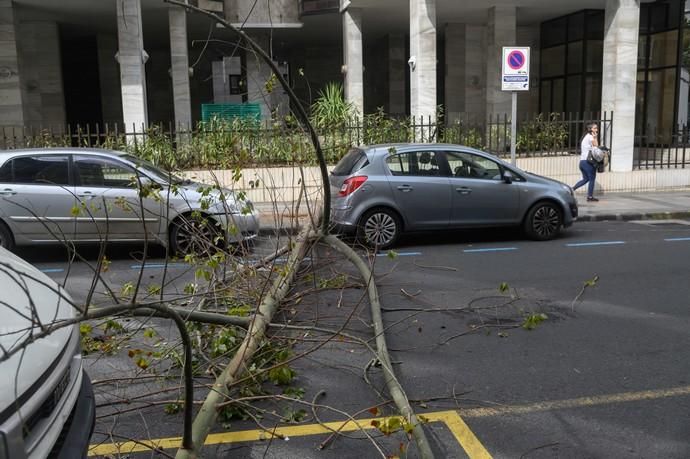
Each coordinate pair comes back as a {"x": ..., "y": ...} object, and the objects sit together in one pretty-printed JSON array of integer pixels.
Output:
[{"x": 589, "y": 170}]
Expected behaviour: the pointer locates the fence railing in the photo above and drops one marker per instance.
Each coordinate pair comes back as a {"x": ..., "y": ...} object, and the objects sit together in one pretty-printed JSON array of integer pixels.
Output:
[
  {"x": 222, "y": 143},
  {"x": 662, "y": 149}
]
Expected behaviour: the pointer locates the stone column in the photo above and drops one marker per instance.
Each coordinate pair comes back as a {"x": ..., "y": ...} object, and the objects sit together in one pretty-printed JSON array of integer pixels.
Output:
[
  {"x": 396, "y": 74},
  {"x": 475, "y": 72},
  {"x": 423, "y": 59},
  {"x": 132, "y": 57},
  {"x": 619, "y": 78},
  {"x": 258, "y": 73},
  {"x": 41, "y": 68},
  {"x": 353, "y": 57},
  {"x": 11, "y": 112},
  {"x": 456, "y": 71},
  {"x": 179, "y": 59},
  {"x": 501, "y": 31}
]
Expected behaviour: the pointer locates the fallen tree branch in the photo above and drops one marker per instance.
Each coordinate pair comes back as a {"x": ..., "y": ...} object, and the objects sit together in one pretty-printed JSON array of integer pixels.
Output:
[
  {"x": 208, "y": 414},
  {"x": 392, "y": 383}
]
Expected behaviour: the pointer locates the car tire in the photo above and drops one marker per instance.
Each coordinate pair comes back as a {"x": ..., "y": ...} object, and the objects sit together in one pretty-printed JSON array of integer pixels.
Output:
[
  {"x": 6, "y": 238},
  {"x": 544, "y": 221},
  {"x": 190, "y": 234},
  {"x": 379, "y": 228}
]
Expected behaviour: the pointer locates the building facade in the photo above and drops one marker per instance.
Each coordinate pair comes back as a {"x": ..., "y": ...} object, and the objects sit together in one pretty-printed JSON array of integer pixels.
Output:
[{"x": 135, "y": 62}]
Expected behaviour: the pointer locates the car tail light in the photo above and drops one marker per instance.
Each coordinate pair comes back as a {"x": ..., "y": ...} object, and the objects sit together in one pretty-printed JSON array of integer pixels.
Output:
[{"x": 351, "y": 184}]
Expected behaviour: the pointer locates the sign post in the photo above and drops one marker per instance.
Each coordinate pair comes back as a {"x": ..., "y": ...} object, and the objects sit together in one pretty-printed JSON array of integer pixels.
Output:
[{"x": 514, "y": 78}]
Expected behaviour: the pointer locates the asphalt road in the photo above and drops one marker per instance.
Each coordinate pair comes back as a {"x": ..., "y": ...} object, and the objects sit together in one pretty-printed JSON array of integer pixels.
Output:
[{"x": 604, "y": 374}]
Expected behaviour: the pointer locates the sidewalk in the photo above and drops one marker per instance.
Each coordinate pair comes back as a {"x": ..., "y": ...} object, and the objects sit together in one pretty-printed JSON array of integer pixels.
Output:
[{"x": 611, "y": 206}]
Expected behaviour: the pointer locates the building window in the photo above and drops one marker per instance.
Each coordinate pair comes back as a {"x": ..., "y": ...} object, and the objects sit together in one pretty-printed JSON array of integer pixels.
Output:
[
  {"x": 571, "y": 56},
  {"x": 660, "y": 73}
]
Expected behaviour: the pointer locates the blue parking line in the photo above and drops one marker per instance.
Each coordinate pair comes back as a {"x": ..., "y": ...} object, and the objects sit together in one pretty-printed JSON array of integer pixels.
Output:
[
  {"x": 585, "y": 244},
  {"x": 493, "y": 249},
  {"x": 399, "y": 254},
  {"x": 51, "y": 270},
  {"x": 159, "y": 265},
  {"x": 673, "y": 239}
]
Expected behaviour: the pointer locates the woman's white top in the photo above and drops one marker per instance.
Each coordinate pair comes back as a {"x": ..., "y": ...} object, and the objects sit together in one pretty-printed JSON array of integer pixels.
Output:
[{"x": 586, "y": 146}]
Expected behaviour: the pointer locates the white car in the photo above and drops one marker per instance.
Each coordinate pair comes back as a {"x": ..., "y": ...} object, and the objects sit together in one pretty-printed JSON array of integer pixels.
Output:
[{"x": 47, "y": 404}]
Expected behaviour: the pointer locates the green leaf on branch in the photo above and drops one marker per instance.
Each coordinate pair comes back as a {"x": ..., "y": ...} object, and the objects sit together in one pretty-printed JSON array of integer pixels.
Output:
[{"x": 533, "y": 320}]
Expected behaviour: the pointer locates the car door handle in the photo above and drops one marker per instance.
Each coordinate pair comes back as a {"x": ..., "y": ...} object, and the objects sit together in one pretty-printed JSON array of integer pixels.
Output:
[
  {"x": 405, "y": 188},
  {"x": 85, "y": 194},
  {"x": 464, "y": 190},
  {"x": 8, "y": 192}
]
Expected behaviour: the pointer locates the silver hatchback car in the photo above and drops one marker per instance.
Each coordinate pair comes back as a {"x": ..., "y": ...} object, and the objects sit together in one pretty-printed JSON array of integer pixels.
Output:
[
  {"x": 380, "y": 191},
  {"x": 90, "y": 195}
]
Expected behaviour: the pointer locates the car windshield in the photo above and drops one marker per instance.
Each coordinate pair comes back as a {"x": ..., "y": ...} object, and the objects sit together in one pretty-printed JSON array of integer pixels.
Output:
[{"x": 155, "y": 171}]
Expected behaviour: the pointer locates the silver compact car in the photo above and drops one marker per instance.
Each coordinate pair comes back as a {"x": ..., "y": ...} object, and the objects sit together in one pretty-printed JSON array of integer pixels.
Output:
[
  {"x": 380, "y": 191},
  {"x": 89, "y": 195}
]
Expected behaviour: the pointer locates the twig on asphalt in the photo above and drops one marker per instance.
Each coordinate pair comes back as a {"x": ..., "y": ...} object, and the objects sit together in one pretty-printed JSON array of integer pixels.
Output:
[{"x": 442, "y": 268}]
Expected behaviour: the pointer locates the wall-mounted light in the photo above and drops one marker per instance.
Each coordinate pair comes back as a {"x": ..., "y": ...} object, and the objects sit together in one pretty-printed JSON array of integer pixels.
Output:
[{"x": 412, "y": 62}]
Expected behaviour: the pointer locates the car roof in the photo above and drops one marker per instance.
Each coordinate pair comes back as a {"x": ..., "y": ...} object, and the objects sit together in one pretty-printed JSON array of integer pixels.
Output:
[
  {"x": 4, "y": 154},
  {"x": 385, "y": 147}
]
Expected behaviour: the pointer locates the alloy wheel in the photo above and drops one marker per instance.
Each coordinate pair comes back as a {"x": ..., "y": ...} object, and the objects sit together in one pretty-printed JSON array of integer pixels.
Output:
[
  {"x": 546, "y": 221},
  {"x": 380, "y": 229}
]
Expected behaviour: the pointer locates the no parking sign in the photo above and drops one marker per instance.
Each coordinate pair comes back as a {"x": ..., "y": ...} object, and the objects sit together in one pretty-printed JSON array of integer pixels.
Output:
[{"x": 515, "y": 69}]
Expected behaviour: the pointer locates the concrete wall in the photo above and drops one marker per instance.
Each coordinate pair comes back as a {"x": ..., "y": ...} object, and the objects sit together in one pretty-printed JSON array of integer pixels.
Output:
[
  {"x": 275, "y": 12},
  {"x": 11, "y": 112},
  {"x": 40, "y": 64},
  {"x": 283, "y": 183}
]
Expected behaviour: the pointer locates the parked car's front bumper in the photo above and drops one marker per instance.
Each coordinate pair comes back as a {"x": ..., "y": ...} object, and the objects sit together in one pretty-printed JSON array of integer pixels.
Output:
[
  {"x": 240, "y": 227},
  {"x": 74, "y": 439}
]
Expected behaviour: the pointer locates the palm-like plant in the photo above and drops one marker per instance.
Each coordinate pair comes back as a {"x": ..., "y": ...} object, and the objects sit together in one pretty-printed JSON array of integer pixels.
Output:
[{"x": 331, "y": 110}]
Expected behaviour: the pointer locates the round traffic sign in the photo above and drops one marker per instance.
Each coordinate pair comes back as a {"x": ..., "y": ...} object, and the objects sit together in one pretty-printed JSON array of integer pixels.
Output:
[{"x": 516, "y": 59}]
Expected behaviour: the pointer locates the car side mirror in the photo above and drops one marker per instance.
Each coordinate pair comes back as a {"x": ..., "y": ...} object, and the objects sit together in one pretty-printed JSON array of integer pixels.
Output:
[{"x": 508, "y": 177}]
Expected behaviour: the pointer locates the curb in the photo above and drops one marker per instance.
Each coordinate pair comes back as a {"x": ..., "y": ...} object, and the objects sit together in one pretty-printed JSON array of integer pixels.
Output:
[{"x": 628, "y": 216}]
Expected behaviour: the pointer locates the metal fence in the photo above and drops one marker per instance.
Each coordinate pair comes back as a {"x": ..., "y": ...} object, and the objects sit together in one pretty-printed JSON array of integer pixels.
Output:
[
  {"x": 248, "y": 142},
  {"x": 662, "y": 149}
]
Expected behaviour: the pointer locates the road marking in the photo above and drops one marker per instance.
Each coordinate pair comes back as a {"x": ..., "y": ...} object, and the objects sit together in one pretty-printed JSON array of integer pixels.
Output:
[
  {"x": 673, "y": 239},
  {"x": 585, "y": 244},
  {"x": 160, "y": 265},
  {"x": 494, "y": 249},
  {"x": 452, "y": 420},
  {"x": 580, "y": 402},
  {"x": 51, "y": 270},
  {"x": 399, "y": 254}
]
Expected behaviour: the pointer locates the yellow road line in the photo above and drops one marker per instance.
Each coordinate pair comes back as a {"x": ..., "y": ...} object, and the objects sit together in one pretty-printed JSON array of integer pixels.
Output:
[
  {"x": 469, "y": 442},
  {"x": 580, "y": 402},
  {"x": 455, "y": 424}
]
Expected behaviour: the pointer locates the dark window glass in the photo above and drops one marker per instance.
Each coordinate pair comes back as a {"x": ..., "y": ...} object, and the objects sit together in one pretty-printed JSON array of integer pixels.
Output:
[
  {"x": 595, "y": 55},
  {"x": 642, "y": 51},
  {"x": 661, "y": 90},
  {"x": 575, "y": 57},
  {"x": 576, "y": 26},
  {"x": 663, "y": 50},
  {"x": 592, "y": 93},
  {"x": 574, "y": 93},
  {"x": 6, "y": 172},
  {"x": 467, "y": 165},
  {"x": 417, "y": 163},
  {"x": 639, "y": 102},
  {"x": 558, "y": 95},
  {"x": 47, "y": 170},
  {"x": 545, "y": 95},
  {"x": 553, "y": 61},
  {"x": 103, "y": 172},
  {"x": 659, "y": 17},
  {"x": 553, "y": 32},
  {"x": 347, "y": 163},
  {"x": 595, "y": 25}
]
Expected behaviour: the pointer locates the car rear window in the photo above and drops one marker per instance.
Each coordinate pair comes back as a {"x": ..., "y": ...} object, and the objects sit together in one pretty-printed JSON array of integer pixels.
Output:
[{"x": 353, "y": 160}]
